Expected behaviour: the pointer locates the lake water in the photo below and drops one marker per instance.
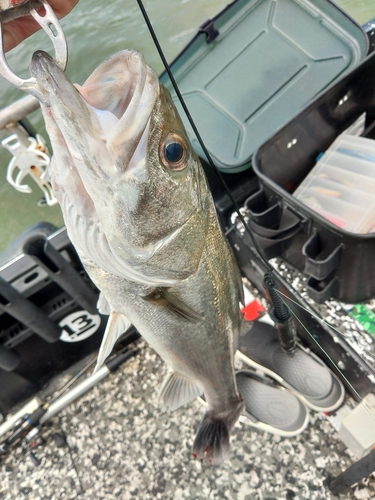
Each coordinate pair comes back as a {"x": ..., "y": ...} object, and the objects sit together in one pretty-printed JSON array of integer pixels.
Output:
[{"x": 95, "y": 30}]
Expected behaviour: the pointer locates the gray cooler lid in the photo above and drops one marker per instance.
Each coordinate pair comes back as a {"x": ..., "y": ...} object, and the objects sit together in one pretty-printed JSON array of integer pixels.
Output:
[{"x": 269, "y": 59}]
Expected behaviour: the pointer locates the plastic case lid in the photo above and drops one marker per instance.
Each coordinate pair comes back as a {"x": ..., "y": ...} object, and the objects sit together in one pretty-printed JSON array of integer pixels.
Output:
[{"x": 268, "y": 60}]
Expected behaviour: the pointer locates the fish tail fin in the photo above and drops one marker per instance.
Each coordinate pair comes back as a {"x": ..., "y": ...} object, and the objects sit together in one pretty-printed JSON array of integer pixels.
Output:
[{"x": 211, "y": 444}]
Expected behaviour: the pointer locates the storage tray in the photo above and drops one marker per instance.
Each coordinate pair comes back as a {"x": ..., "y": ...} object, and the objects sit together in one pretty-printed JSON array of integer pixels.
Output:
[{"x": 48, "y": 313}]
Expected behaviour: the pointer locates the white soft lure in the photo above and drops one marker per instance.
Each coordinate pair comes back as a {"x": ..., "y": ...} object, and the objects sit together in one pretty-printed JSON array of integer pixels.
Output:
[{"x": 139, "y": 212}]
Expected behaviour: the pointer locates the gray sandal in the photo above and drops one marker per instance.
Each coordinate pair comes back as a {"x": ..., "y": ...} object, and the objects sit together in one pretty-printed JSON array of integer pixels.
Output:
[
  {"x": 301, "y": 372},
  {"x": 269, "y": 407}
]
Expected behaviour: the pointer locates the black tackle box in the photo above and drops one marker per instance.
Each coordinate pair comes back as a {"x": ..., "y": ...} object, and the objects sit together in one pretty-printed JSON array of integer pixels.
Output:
[
  {"x": 245, "y": 78},
  {"x": 48, "y": 316},
  {"x": 338, "y": 263}
]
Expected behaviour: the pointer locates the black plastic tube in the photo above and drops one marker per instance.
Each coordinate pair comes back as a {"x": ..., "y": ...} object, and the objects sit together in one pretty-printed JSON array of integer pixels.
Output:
[
  {"x": 363, "y": 468},
  {"x": 62, "y": 272},
  {"x": 9, "y": 359},
  {"x": 18, "y": 306}
]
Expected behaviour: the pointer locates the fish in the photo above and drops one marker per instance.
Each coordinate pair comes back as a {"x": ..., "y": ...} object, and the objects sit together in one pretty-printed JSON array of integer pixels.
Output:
[{"x": 138, "y": 210}]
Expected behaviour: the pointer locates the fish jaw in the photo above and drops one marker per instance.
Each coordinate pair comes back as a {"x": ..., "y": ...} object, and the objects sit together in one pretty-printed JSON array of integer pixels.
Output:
[
  {"x": 102, "y": 121},
  {"x": 86, "y": 170},
  {"x": 118, "y": 200}
]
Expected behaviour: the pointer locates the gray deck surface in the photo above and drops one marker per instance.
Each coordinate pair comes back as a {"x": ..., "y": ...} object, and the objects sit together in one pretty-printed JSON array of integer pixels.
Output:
[{"x": 122, "y": 446}]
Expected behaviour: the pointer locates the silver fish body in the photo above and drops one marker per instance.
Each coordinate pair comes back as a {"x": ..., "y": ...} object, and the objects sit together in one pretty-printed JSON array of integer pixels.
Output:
[{"x": 139, "y": 212}]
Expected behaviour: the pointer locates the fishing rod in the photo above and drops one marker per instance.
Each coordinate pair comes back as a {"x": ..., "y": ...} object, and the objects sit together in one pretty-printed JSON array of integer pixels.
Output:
[
  {"x": 280, "y": 312},
  {"x": 28, "y": 426}
]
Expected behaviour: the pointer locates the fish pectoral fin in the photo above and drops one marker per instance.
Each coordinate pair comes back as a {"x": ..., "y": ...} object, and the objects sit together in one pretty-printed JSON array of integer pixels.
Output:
[
  {"x": 102, "y": 305},
  {"x": 177, "y": 390},
  {"x": 117, "y": 325},
  {"x": 174, "y": 305}
]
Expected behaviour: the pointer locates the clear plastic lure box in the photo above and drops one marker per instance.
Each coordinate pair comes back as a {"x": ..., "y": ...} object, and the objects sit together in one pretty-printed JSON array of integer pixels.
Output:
[{"x": 341, "y": 186}]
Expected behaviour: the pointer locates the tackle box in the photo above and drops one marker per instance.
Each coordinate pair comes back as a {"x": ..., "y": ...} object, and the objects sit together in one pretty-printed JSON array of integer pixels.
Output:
[
  {"x": 341, "y": 185},
  {"x": 270, "y": 84},
  {"x": 337, "y": 262}
]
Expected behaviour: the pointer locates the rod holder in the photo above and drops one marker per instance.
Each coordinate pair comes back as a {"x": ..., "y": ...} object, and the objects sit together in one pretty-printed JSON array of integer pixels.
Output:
[
  {"x": 18, "y": 306},
  {"x": 61, "y": 272}
]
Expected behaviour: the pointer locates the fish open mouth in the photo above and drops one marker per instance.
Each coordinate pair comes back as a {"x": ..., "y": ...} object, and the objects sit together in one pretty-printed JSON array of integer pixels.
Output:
[
  {"x": 122, "y": 88},
  {"x": 99, "y": 131},
  {"x": 123, "y": 84}
]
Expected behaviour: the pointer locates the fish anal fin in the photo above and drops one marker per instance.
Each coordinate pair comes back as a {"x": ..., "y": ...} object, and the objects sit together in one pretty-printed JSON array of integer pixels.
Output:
[
  {"x": 174, "y": 305},
  {"x": 117, "y": 324},
  {"x": 177, "y": 390}
]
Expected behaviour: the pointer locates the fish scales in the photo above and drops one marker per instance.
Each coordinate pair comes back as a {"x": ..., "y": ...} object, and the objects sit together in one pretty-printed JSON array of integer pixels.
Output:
[{"x": 138, "y": 210}]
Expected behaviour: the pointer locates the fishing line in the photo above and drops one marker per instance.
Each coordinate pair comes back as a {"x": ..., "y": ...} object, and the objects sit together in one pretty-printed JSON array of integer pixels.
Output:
[
  {"x": 71, "y": 456},
  {"x": 197, "y": 134},
  {"x": 354, "y": 354},
  {"x": 71, "y": 382},
  {"x": 371, "y": 413},
  {"x": 200, "y": 140},
  {"x": 313, "y": 314}
]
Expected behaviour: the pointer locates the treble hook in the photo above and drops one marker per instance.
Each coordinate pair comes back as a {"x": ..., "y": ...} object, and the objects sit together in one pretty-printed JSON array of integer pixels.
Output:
[{"x": 50, "y": 24}]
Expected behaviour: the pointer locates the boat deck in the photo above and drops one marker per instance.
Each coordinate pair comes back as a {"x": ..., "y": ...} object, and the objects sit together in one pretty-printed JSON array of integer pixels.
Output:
[{"x": 122, "y": 446}]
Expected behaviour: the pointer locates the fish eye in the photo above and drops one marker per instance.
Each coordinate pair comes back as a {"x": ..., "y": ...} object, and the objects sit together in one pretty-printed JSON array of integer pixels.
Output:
[{"x": 173, "y": 152}]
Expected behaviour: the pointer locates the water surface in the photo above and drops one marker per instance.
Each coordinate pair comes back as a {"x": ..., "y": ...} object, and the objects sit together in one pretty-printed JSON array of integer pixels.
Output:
[{"x": 96, "y": 29}]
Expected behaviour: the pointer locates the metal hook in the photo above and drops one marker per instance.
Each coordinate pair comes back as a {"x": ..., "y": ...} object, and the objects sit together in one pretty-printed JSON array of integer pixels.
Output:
[{"x": 51, "y": 26}]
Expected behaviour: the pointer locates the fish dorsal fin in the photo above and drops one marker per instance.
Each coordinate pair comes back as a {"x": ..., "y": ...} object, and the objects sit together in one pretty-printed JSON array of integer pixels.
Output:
[
  {"x": 117, "y": 325},
  {"x": 173, "y": 304},
  {"x": 177, "y": 390},
  {"x": 102, "y": 305}
]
